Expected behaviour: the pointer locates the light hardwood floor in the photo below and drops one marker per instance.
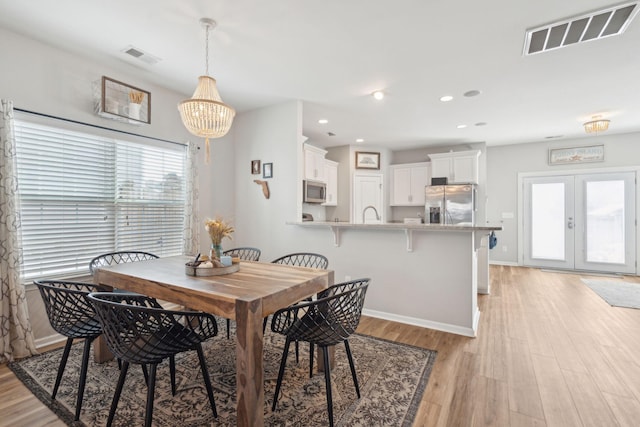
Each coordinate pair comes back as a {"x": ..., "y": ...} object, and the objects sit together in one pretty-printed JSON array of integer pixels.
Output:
[{"x": 549, "y": 352}]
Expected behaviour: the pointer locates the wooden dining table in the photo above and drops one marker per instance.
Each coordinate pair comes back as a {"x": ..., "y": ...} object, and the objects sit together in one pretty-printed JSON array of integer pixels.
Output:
[{"x": 247, "y": 296}]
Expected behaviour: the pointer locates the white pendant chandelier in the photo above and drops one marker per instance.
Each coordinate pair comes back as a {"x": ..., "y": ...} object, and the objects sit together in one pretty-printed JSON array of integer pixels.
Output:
[{"x": 205, "y": 115}]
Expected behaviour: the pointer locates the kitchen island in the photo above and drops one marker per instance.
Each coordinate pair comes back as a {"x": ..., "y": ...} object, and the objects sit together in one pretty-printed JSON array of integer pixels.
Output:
[{"x": 423, "y": 274}]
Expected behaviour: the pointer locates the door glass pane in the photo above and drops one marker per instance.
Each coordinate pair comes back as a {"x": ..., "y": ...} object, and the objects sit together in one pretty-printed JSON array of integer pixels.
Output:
[
  {"x": 547, "y": 221},
  {"x": 605, "y": 222}
]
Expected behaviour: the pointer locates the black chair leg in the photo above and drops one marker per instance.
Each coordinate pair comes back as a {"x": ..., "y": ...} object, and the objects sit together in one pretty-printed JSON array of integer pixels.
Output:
[
  {"x": 63, "y": 363},
  {"x": 228, "y": 327},
  {"x": 353, "y": 368},
  {"x": 283, "y": 362},
  {"x": 116, "y": 395},
  {"x": 297, "y": 353},
  {"x": 327, "y": 381},
  {"x": 172, "y": 371},
  {"x": 311, "y": 350},
  {"x": 207, "y": 380},
  {"x": 146, "y": 374},
  {"x": 83, "y": 376},
  {"x": 150, "y": 391},
  {"x": 264, "y": 324}
]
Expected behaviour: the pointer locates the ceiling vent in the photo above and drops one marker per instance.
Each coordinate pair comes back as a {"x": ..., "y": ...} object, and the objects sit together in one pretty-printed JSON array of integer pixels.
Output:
[
  {"x": 593, "y": 26},
  {"x": 141, "y": 55}
]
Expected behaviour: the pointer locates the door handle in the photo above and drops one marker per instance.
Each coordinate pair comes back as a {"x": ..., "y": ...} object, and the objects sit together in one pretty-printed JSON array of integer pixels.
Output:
[{"x": 570, "y": 223}]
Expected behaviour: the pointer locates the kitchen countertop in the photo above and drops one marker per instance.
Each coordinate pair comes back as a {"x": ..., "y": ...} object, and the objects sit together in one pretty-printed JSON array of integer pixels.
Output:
[
  {"x": 398, "y": 226},
  {"x": 337, "y": 226}
]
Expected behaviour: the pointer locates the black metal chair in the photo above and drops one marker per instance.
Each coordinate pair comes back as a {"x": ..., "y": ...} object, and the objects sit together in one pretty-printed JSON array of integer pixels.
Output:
[
  {"x": 327, "y": 321},
  {"x": 246, "y": 254},
  {"x": 71, "y": 315},
  {"x": 139, "y": 333},
  {"x": 301, "y": 259},
  {"x": 112, "y": 258}
]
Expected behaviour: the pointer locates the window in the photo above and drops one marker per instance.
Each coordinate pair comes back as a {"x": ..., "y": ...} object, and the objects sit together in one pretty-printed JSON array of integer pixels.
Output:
[{"x": 85, "y": 194}]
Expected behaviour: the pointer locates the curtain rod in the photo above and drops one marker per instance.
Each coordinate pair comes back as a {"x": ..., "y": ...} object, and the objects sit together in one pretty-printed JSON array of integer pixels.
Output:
[{"x": 96, "y": 126}]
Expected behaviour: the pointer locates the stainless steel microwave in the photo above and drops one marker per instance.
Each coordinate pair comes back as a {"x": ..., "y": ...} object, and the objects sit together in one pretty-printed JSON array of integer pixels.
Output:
[{"x": 314, "y": 191}]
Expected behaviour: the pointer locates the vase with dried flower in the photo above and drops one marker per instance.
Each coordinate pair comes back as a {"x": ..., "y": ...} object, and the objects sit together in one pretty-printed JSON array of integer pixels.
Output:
[
  {"x": 218, "y": 230},
  {"x": 135, "y": 104}
]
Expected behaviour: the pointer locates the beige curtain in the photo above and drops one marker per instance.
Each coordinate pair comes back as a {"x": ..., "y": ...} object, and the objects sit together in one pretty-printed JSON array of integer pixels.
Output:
[
  {"x": 192, "y": 207},
  {"x": 16, "y": 338}
]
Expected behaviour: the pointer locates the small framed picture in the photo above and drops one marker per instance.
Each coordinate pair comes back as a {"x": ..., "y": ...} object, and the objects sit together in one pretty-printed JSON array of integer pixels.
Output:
[
  {"x": 267, "y": 170},
  {"x": 255, "y": 167},
  {"x": 367, "y": 160}
]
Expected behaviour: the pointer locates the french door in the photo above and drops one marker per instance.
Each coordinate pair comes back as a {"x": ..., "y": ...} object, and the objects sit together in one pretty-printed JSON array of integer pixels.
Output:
[{"x": 580, "y": 222}]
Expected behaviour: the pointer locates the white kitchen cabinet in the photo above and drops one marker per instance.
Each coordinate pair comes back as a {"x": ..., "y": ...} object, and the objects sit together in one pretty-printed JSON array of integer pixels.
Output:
[
  {"x": 314, "y": 163},
  {"x": 408, "y": 182},
  {"x": 459, "y": 167},
  {"x": 331, "y": 174}
]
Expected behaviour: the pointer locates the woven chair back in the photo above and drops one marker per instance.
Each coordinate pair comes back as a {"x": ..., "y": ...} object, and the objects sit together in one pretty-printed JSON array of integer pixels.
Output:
[
  {"x": 303, "y": 259},
  {"x": 329, "y": 320},
  {"x": 69, "y": 311},
  {"x": 246, "y": 253},
  {"x": 137, "y": 331},
  {"x": 112, "y": 258}
]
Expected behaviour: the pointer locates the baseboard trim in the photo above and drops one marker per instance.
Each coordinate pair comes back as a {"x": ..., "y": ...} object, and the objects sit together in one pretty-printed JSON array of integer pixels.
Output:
[
  {"x": 438, "y": 326},
  {"x": 48, "y": 340},
  {"x": 505, "y": 263}
]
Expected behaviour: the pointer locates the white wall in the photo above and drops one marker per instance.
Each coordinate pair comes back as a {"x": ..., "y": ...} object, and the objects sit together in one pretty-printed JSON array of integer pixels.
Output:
[
  {"x": 505, "y": 162},
  {"x": 271, "y": 135}
]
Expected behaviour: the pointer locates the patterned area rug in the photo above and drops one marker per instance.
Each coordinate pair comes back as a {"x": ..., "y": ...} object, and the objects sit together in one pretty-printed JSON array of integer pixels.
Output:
[
  {"x": 619, "y": 294},
  {"x": 392, "y": 380}
]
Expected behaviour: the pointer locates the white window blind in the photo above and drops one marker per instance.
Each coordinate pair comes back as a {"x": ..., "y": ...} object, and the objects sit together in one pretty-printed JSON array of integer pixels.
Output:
[{"x": 82, "y": 195}]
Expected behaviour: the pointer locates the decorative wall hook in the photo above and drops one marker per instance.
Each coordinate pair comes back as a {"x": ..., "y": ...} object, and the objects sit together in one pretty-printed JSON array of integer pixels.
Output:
[{"x": 265, "y": 187}]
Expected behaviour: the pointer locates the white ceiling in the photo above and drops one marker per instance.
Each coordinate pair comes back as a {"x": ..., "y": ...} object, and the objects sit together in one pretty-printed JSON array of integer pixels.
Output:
[{"x": 332, "y": 54}]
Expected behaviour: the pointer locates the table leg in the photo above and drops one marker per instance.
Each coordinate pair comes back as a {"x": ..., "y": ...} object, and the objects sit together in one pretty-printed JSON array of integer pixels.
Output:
[
  {"x": 320, "y": 358},
  {"x": 101, "y": 352},
  {"x": 249, "y": 368}
]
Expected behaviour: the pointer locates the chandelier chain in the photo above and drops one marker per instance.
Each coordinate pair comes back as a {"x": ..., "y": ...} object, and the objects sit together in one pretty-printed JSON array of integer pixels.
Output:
[{"x": 207, "y": 51}]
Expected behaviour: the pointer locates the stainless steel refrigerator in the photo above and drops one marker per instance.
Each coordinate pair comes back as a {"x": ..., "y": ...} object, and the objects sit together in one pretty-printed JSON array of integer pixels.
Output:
[{"x": 450, "y": 204}]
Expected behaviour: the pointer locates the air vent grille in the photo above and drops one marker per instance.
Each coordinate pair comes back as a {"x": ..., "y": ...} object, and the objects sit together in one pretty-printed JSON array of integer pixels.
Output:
[
  {"x": 596, "y": 25},
  {"x": 141, "y": 55}
]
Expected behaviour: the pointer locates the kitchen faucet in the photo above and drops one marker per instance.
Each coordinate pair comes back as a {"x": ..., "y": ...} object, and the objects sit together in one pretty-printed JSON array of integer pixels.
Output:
[{"x": 374, "y": 210}]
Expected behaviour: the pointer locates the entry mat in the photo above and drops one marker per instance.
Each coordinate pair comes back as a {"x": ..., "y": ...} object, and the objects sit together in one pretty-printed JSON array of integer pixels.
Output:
[{"x": 616, "y": 293}]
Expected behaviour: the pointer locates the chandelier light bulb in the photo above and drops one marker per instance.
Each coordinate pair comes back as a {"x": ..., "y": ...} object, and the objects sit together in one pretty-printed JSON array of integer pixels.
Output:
[{"x": 597, "y": 124}]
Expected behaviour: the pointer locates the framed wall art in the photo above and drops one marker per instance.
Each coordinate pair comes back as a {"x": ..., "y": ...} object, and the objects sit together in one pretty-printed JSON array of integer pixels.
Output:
[
  {"x": 125, "y": 101},
  {"x": 562, "y": 156},
  {"x": 255, "y": 167},
  {"x": 267, "y": 170},
  {"x": 367, "y": 160}
]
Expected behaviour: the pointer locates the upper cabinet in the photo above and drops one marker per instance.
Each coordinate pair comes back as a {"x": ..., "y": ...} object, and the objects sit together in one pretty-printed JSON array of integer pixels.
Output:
[
  {"x": 331, "y": 174},
  {"x": 408, "y": 182},
  {"x": 314, "y": 163},
  {"x": 459, "y": 167}
]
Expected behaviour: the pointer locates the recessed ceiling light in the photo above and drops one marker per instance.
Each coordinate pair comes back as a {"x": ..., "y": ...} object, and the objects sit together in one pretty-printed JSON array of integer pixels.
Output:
[
  {"x": 553, "y": 136},
  {"x": 481, "y": 124},
  {"x": 378, "y": 95},
  {"x": 471, "y": 93},
  {"x": 461, "y": 126},
  {"x": 359, "y": 140},
  {"x": 323, "y": 121},
  {"x": 446, "y": 98}
]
